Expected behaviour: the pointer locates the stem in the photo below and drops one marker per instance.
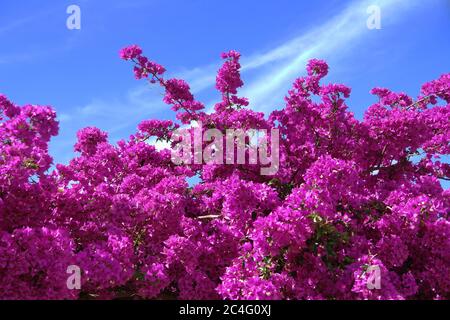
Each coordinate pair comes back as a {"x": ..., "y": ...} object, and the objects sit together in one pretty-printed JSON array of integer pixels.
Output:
[
  {"x": 425, "y": 98},
  {"x": 163, "y": 84}
]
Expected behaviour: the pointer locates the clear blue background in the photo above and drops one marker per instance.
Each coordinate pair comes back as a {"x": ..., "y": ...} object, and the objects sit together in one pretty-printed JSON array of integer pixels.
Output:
[{"x": 79, "y": 73}]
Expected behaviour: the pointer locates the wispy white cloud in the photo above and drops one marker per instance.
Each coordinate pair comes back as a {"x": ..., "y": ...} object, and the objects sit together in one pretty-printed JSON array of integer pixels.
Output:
[
  {"x": 277, "y": 68},
  {"x": 335, "y": 37},
  {"x": 271, "y": 72},
  {"x": 117, "y": 116}
]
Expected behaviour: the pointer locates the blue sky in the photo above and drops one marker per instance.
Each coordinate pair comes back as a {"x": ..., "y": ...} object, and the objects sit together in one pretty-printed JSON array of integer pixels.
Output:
[{"x": 79, "y": 73}]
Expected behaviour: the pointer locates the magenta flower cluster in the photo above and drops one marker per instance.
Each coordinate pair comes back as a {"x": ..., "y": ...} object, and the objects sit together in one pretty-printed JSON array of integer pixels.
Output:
[{"x": 348, "y": 195}]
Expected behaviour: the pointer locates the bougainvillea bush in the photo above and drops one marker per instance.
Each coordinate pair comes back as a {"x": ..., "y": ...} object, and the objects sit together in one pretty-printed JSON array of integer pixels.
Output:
[{"x": 347, "y": 195}]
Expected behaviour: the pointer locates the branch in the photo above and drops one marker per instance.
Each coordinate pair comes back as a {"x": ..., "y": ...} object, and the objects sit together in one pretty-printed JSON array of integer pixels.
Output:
[{"x": 211, "y": 216}]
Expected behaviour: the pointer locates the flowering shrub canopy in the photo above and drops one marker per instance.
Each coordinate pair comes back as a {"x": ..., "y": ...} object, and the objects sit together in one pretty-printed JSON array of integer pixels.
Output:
[{"x": 348, "y": 194}]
